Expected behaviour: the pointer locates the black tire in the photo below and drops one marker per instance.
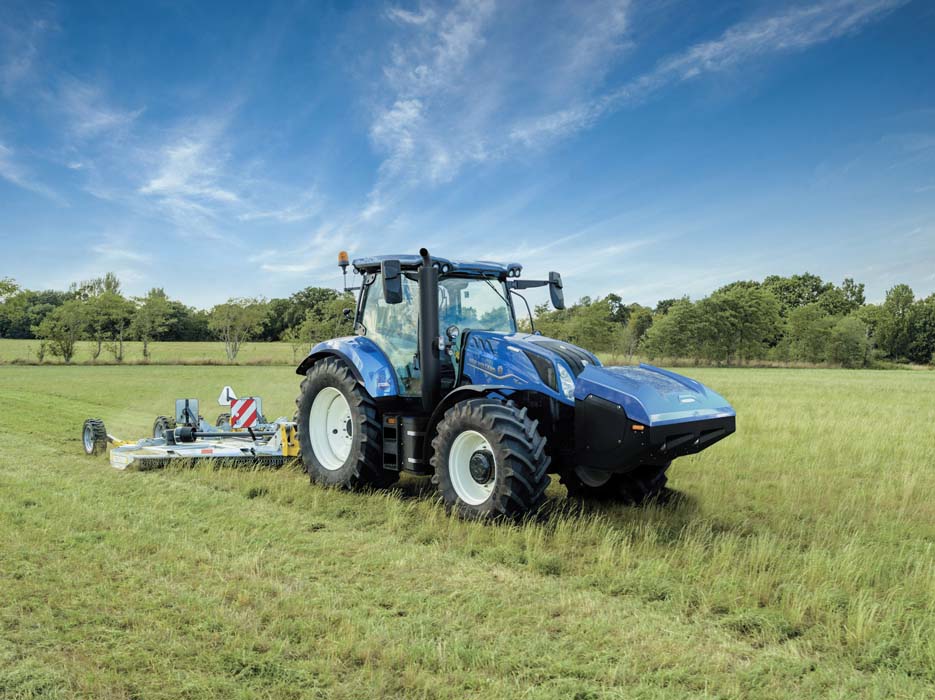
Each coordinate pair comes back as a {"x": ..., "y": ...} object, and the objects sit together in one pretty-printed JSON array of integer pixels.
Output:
[
  {"x": 94, "y": 436},
  {"x": 519, "y": 475},
  {"x": 223, "y": 421},
  {"x": 644, "y": 483},
  {"x": 161, "y": 425},
  {"x": 363, "y": 466}
]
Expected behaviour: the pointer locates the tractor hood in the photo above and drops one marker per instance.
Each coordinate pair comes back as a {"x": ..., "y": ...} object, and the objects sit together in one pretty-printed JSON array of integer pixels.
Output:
[
  {"x": 652, "y": 396},
  {"x": 649, "y": 395}
]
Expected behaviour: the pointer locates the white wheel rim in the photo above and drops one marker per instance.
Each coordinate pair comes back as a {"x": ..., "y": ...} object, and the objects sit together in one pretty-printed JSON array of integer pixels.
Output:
[
  {"x": 592, "y": 477},
  {"x": 330, "y": 428},
  {"x": 459, "y": 467},
  {"x": 88, "y": 439}
]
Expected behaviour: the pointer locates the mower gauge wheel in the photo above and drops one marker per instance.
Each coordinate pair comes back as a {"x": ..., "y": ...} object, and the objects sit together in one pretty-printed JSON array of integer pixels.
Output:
[
  {"x": 161, "y": 425},
  {"x": 94, "y": 436}
]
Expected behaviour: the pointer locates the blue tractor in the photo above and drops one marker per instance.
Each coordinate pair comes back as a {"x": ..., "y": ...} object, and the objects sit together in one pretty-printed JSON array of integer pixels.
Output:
[{"x": 489, "y": 412}]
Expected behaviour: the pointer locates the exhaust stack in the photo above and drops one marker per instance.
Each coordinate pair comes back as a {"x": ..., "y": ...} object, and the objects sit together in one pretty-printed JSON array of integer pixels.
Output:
[{"x": 428, "y": 336}]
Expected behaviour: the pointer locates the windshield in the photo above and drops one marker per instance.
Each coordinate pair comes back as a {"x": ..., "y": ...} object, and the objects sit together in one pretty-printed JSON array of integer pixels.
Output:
[{"x": 476, "y": 304}]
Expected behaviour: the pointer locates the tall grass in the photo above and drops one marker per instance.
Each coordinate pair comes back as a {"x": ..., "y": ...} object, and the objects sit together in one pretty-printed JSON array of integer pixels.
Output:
[{"x": 794, "y": 559}]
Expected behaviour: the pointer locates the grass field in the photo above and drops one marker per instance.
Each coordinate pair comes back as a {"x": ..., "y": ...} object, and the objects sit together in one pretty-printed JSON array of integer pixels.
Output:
[{"x": 797, "y": 559}]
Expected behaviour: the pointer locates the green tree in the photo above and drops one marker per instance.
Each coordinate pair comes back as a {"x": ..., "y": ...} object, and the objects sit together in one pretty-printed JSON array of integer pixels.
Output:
[
  {"x": 797, "y": 290},
  {"x": 187, "y": 323},
  {"x": 894, "y": 332},
  {"x": 922, "y": 331},
  {"x": 808, "y": 329},
  {"x": 151, "y": 319},
  {"x": 853, "y": 292},
  {"x": 663, "y": 306},
  {"x": 276, "y": 322},
  {"x": 590, "y": 325},
  {"x": 848, "y": 344},
  {"x": 25, "y": 309},
  {"x": 740, "y": 284},
  {"x": 640, "y": 321},
  {"x": 326, "y": 320},
  {"x": 843, "y": 300},
  {"x": 305, "y": 300},
  {"x": 235, "y": 322},
  {"x": 62, "y": 328},
  {"x": 8, "y": 287},
  {"x": 619, "y": 312},
  {"x": 675, "y": 333},
  {"x": 739, "y": 322},
  {"x": 294, "y": 336},
  {"x": 108, "y": 315},
  {"x": 95, "y": 287},
  {"x": 552, "y": 322}
]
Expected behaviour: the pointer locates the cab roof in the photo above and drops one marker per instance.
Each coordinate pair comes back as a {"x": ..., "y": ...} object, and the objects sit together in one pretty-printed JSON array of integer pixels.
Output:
[{"x": 481, "y": 268}]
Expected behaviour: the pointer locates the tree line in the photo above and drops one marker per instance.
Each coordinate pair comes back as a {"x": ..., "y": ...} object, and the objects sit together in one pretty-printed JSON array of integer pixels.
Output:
[
  {"x": 800, "y": 318},
  {"x": 96, "y": 310}
]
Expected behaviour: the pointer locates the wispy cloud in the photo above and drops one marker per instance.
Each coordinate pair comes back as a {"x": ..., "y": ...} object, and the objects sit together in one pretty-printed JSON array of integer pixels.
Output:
[
  {"x": 453, "y": 96},
  {"x": 118, "y": 250},
  {"x": 793, "y": 30},
  {"x": 189, "y": 170},
  {"x": 403, "y": 16},
  {"x": 87, "y": 111},
  {"x": 306, "y": 206},
  {"x": 15, "y": 173},
  {"x": 308, "y": 258},
  {"x": 186, "y": 176},
  {"x": 424, "y": 78},
  {"x": 450, "y": 84},
  {"x": 20, "y": 43}
]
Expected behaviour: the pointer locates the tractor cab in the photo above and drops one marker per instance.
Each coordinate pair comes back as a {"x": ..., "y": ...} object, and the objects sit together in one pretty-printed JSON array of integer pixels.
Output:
[{"x": 469, "y": 299}]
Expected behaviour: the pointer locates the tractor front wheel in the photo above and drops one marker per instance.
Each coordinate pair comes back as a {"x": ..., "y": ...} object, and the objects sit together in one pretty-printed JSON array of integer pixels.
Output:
[
  {"x": 339, "y": 428},
  {"x": 490, "y": 460},
  {"x": 632, "y": 488}
]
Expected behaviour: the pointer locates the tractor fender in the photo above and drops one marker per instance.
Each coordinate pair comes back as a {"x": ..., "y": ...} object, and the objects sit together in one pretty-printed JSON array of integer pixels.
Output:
[
  {"x": 461, "y": 393},
  {"x": 369, "y": 365}
]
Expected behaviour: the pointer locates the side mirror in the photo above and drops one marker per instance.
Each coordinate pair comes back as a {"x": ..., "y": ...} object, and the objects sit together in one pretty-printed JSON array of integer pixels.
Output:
[
  {"x": 392, "y": 281},
  {"x": 555, "y": 290}
]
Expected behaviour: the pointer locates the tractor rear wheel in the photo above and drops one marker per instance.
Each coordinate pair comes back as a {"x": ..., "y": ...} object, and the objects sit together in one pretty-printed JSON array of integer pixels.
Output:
[
  {"x": 632, "y": 488},
  {"x": 340, "y": 433},
  {"x": 490, "y": 460}
]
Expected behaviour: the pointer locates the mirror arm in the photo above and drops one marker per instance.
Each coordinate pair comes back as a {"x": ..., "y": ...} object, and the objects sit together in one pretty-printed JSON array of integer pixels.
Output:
[{"x": 526, "y": 284}]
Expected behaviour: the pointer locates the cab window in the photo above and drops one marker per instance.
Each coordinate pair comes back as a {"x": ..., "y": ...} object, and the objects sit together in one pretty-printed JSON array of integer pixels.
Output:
[{"x": 395, "y": 329}]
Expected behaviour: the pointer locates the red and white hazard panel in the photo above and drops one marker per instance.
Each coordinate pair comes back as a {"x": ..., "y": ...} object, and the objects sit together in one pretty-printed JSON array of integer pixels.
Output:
[{"x": 244, "y": 413}]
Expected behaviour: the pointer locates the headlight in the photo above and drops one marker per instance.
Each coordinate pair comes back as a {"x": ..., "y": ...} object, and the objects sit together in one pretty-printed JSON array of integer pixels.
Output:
[{"x": 567, "y": 381}]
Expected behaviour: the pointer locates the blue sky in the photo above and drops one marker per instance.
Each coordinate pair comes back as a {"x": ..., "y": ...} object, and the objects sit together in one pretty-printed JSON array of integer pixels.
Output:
[{"x": 653, "y": 149}]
